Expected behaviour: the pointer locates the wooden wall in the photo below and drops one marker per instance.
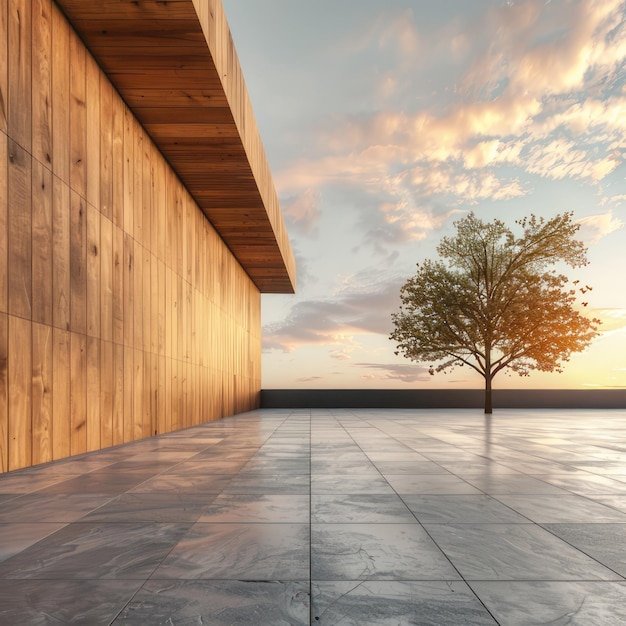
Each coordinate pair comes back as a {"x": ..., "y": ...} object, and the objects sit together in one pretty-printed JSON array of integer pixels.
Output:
[{"x": 122, "y": 312}]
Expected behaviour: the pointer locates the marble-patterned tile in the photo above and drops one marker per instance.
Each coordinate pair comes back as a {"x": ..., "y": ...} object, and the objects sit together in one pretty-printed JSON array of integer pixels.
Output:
[
  {"x": 269, "y": 484},
  {"x": 410, "y": 467},
  {"x": 265, "y": 508},
  {"x": 616, "y": 501},
  {"x": 471, "y": 509},
  {"x": 513, "y": 484},
  {"x": 430, "y": 484},
  {"x": 604, "y": 542},
  {"x": 48, "y": 602},
  {"x": 240, "y": 552},
  {"x": 589, "y": 484},
  {"x": 46, "y": 507},
  {"x": 376, "y": 552},
  {"x": 340, "y": 466},
  {"x": 349, "y": 484},
  {"x": 187, "y": 484},
  {"x": 374, "y": 602},
  {"x": 86, "y": 551},
  {"x": 360, "y": 508},
  {"x": 513, "y": 552},
  {"x": 218, "y": 603},
  {"x": 277, "y": 466},
  {"x": 527, "y": 603},
  {"x": 152, "y": 507},
  {"x": 17, "y": 536},
  {"x": 545, "y": 509},
  {"x": 99, "y": 482},
  {"x": 23, "y": 483}
]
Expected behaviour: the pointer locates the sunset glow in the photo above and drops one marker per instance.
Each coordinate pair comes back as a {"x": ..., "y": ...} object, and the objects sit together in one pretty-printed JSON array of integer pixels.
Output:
[{"x": 385, "y": 125}]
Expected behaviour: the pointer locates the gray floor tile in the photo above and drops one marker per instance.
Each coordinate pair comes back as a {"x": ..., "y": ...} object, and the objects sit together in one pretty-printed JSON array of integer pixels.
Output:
[
  {"x": 360, "y": 508},
  {"x": 604, "y": 542},
  {"x": 37, "y": 507},
  {"x": 349, "y": 484},
  {"x": 554, "y": 603},
  {"x": 18, "y": 536},
  {"x": 218, "y": 603},
  {"x": 472, "y": 509},
  {"x": 240, "y": 552},
  {"x": 376, "y": 552},
  {"x": 513, "y": 552},
  {"x": 430, "y": 484},
  {"x": 48, "y": 602},
  {"x": 373, "y": 602},
  {"x": 89, "y": 551},
  {"x": 272, "y": 508}
]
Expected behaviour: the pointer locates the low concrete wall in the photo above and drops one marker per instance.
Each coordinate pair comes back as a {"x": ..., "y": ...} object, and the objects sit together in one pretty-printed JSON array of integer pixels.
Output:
[{"x": 442, "y": 398}]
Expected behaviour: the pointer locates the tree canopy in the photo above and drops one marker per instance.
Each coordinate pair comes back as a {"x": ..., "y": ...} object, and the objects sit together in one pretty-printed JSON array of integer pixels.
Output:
[{"x": 496, "y": 300}]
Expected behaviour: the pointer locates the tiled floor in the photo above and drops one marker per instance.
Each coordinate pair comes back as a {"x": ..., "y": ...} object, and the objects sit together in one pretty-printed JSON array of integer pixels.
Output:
[{"x": 328, "y": 517}]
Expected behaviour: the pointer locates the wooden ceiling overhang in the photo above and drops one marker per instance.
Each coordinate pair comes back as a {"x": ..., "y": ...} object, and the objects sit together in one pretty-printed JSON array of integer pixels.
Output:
[{"x": 175, "y": 65}]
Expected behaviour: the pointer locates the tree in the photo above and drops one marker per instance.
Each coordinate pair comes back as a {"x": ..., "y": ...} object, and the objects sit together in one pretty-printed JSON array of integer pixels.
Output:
[{"x": 496, "y": 301}]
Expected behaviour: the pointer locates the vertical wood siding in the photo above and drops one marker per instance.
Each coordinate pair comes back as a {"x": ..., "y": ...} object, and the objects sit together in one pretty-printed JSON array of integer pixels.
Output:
[{"x": 122, "y": 312}]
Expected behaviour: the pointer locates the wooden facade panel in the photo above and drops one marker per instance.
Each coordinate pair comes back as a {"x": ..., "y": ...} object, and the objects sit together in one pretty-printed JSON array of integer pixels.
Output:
[
  {"x": 4, "y": 226},
  {"x": 4, "y": 392},
  {"x": 42, "y": 243},
  {"x": 20, "y": 428},
  {"x": 78, "y": 263},
  {"x": 122, "y": 308},
  {"x": 4, "y": 16},
  {"x": 61, "y": 406},
  {"x": 19, "y": 262},
  {"x": 19, "y": 73},
  {"x": 42, "y": 389},
  {"x": 42, "y": 81}
]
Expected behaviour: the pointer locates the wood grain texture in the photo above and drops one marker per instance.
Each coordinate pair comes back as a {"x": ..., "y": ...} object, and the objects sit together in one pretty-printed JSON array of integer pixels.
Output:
[
  {"x": 78, "y": 263},
  {"x": 20, "y": 426},
  {"x": 19, "y": 262},
  {"x": 78, "y": 393},
  {"x": 4, "y": 226},
  {"x": 94, "y": 417},
  {"x": 60, "y": 95},
  {"x": 61, "y": 210},
  {"x": 42, "y": 244},
  {"x": 4, "y": 392},
  {"x": 42, "y": 389},
  {"x": 19, "y": 73},
  {"x": 94, "y": 271},
  {"x": 4, "y": 34},
  {"x": 41, "y": 122},
  {"x": 92, "y": 116},
  {"x": 61, "y": 405},
  {"x": 78, "y": 116}
]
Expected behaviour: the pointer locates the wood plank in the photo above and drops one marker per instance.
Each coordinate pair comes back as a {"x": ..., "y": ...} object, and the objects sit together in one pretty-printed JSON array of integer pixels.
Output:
[
  {"x": 78, "y": 116},
  {"x": 146, "y": 422},
  {"x": 42, "y": 385},
  {"x": 161, "y": 411},
  {"x": 4, "y": 226},
  {"x": 107, "y": 391},
  {"x": 61, "y": 406},
  {"x": 19, "y": 232},
  {"x": 128, "y": 297},
  {"x": 20, "y": 393},
  {"x": 42, "y": 81},
  {"x": 117, "y": 123},
  {"x": 118, "y": 285},
  {"x": 4, "y": 393},
  {"x": 137, "y": 165},
  {"x": 154, "y": 304},
  {"x": 118, "y": 394},
  {"x": 138, "y": 394},
  {"x": 137, "y": 312},
  {"x": 19, "y": 55},
  {"x": 128, "y": 182},
  {"x": 42, "y": 244},
  {"x": 93, "y": 272},
  {"x": 106, "y": 279},
  {"x": 146, "y": 301},
  {"x": 93, "y": 394},
  {"x": 92, "y": 116},
  {"x": 78, "y": 264},
  {"x": 61, "y": 211},
  {"x": 147, "y": 194},
  {"x": 106, "y": 147},
  {"x": 128, "y": 393},
  {"x": 4, "y": 35},
  {"x": 60, "y": 95},
  {"x": 78, "y": 393}
]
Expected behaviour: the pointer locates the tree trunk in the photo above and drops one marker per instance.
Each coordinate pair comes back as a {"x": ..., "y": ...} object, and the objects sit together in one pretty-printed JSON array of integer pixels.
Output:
[{"x": 488, "y": 405}]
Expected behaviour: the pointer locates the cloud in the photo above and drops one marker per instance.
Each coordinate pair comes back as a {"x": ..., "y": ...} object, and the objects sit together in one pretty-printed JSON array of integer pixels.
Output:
[
  {"x": 358, "y": 307},
  {"x": 595, "y": 227},
  {"x": 309, "y": 379},
  {"x": 302, "y": 211},
  {"x": 612, "y": 319},
  {"x": 391, "y": 371}
]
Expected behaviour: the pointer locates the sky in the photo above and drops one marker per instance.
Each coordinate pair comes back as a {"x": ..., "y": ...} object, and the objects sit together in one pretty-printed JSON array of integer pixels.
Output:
[{"x": 385, "y": 122}]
